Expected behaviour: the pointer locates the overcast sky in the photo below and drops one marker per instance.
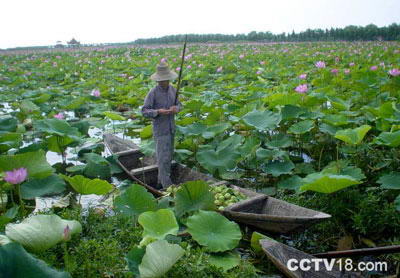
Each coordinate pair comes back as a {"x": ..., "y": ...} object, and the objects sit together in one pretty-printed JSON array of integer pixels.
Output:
[{"x": 43, "y": 22}]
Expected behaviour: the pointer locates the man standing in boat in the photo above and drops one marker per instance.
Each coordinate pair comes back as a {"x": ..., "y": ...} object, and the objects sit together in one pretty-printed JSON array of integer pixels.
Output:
[{"x": 160, "y": 105}]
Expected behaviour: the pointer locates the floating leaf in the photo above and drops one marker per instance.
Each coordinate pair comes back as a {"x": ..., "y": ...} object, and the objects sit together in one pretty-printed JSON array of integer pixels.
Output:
[
  {"x": 225, "y": 261},
  {"x": 87, "y": 186},
  {"x": 293, "y": 183},
  {"x": 326, "y": 183},
  {"x": 262, "y": 120},
  {"x": 17, "y": 263},
  {"x": 217, "y": 160},
  {"x": 41, "y": 232},
  {"x": 390, "y": 181},
  {"x": 160, "y": 256},
  {"x": 192, "y": 196},
  {"x": 214, "y": 231},
  {"x": 10, "y": 140},
  {"x": 353, "y": 136},
  {"x": 57, "y": 127},
  {"x": 135, "y": 200},
  {"x": 157, "y": 224},
  {"x": 8, "y": 123}
]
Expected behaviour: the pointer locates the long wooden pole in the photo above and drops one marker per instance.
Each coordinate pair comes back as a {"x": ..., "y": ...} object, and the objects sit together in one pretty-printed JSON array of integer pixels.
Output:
[
  {"x": 360, "y": 252},
  {"x": 180, "y": 72}
]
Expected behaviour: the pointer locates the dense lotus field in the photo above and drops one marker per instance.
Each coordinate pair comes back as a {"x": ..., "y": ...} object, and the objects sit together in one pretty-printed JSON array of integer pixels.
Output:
[{"x": 315, "y": 124}]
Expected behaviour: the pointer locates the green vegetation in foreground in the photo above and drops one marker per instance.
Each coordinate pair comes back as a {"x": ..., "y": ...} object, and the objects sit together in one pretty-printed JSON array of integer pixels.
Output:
[{"x": 105, "y": 241}]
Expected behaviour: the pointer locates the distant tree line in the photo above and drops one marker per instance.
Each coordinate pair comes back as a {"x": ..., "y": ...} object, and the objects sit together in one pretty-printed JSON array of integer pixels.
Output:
[{"x": 349, "y": 33}]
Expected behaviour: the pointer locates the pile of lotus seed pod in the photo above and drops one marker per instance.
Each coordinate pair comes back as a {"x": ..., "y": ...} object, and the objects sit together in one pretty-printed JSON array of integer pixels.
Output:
[{"x": 226, "y": 196}]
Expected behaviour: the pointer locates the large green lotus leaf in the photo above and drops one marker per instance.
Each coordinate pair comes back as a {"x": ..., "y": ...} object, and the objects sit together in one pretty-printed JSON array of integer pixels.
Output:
[
  {"x": 301, "y": 127},
  {"x": 214, "y": 231},
  {"x": 192, "y": 196},
  {"x": 336, "y": 119},
  {"x": 8, "y": 123},
  {"x": 264, "y": 154},
  {"x": 146, "y": 132},
  {"x": 41, "y": 187},
  {"x": 134, "y": 259},
  {"x": 249, "y": 147},
  {"x": 15, "y": 262},
  {"x": 225, "y": 261},
  {"x": 87, "y": 186},
  {"x": 329, "y": 129},
  {"x": 353, "y": 136},
  {"x": 157, "y": 224},
  {"x": 135, "y": 200},
  {"x": 390, "y": 181},
  {"x": 57, "y": 127},
  {"x": 41, "y": 232},
  {"x": 114, "y": 116},
  {"x": 160, "y": 256},
  {"x": 35, "y": 162},
  {"x": 391, "y": 139},
  {"x": 28, "y": 106},
  {"x": 97, "y": 166},
  {"x": 279, "y": 140},
  {"x": 277, "y": 168},
  {"x": 193, "y": 129},
  {"x": 342, "y": 167},
  {"x": 147, "y": 147},
  {"x": 214, "y": 130},
  {"x": 10, "y": 140},
  {"x": 291, "y": 112},
  {"x": 217, "y": 160},
  {"x": 232, "y": 142},
  {"x": 58, "y": 143},
  {"x": 283, "y": 99},
  {"x": 262, "y": 120},
  {"x": 326, "y": 183}
]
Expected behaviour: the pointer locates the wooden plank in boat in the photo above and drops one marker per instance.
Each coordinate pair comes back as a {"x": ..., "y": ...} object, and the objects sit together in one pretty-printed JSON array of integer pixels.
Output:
[
  {"x": 145, "y": 169},
  {"x": 219, "y": 183}
]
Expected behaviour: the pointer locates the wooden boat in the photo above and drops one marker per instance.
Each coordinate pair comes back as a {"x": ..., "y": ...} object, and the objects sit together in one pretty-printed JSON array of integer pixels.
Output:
[
  {"x": 280, "y": 254},
  {"x": 273, "y": 215},
  {"x": 144, "y": 168},
  {"x": 259, "y": 210}
]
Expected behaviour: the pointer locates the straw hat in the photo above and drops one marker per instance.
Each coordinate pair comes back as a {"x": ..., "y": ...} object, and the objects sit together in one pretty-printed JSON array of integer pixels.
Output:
[{"x": 163, "y": 73}]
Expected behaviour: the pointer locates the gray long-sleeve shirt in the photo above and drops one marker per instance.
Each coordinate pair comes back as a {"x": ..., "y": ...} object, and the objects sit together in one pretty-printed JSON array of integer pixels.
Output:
[{"x": 159, "y": 98}]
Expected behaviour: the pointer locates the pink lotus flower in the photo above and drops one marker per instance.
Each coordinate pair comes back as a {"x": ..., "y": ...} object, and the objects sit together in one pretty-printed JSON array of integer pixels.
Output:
[
  {"x": 258, "y": 72},
  {"x": 320, "y": 64},
  {"x": 174, "y": 59},
  {"x": 373, "y": 68},
  {"x": 178, "y": 69},
  {"x": 96, "y": 93},
  {"x": 219, "y": 69},
  {"x": 241, "y": 56},
  {"x": 67, "y": 233},
  {"x": 334, "y": 71},
  {"x": 352, "y": 64},
  {"x": 394, "y": 72},
  {"x": 163, "y": 60},
  {"x": 302, "y": 88},
  {"x": 346, "y": 71},
  {"x": 262, "y": 62},
  {"x": 382, "y": 64},
  {"x": 337, "y": 59},
  {"x": 16, "y": 176},
  {"x": 59, "y": 116},
  {"x": 303, "y": 76},
  {"x": 189, "y": 66}
]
